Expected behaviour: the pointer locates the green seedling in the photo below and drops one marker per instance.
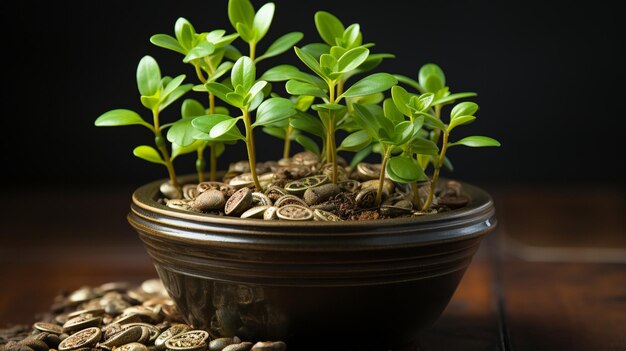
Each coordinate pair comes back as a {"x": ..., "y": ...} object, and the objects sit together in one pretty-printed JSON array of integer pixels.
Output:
[
  {"x": 156, "y": 94},
  {"x": 247, "y": 95}
]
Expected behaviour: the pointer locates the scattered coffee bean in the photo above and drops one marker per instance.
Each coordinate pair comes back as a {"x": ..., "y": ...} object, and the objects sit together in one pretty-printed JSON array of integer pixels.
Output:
[
  {"x": 220, "y": 343},
  {"x": 48, "y": 327},
  {"x": 269, "y": 346},
  {"x": 124, "y": 336},
  {"x": 242, "y": 346},
  {"x": 133, "y": 346},
  {"x": 85, "y": 338},
  {"x": 194, "y": 340},
  {"x": 209, "y": 200},
  {"x": 36, "y": 345},
  {"x": 294, "y": 213},
  {"x": 321, "y": 193},
  {"x": 255, "y": 212},
  {"x": 170, "y": 333},
  {"x": 239, "y": 202}
]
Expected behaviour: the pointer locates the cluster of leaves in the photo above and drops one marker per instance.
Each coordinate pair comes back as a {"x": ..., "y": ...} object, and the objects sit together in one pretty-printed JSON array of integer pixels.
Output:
[{"x": 406, "y": 128}]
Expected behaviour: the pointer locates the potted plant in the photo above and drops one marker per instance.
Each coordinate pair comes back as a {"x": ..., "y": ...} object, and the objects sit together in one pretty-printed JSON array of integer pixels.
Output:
[{"x": 309, "y": 245}]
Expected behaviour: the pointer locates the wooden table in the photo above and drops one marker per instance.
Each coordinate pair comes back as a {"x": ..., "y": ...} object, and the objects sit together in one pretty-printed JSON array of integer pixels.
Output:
[{"x": 552, "y": 277}]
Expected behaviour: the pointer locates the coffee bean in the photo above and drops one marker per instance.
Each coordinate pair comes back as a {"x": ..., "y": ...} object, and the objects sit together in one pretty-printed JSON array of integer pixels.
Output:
[
  {"x": 81, "y": 322},
  {"x": 325, "y": 216},
  {"x": 36, "y": 345},
  {"x": 133, "y": 346},
  {"x": 124, "y": 336},
  {"x": 260, "y": 199},
  {"x": 269, "y": 346},
  {"x": 194, "y": 340},
  {"x": 321, "y": 193},
  {"x": 85, "y": 338},
  {"x": 48, "y": 327},
  {"x": 243, "y": 346},
  {"x": 270, "y": 213},
  {"x": 95, "y": 312},
  {"x": 151, "y": 331},
  {"x": 209, "y": 200},
  {"x": 367, "y": 171},
  {"x": 219, "y": 344},
  {"x": 239, "y": 202},
  {"x": 290, "y": 200},
  {"x": 170, "y": 333},
  {"x": 170, "y": 191},
  {"x": 255, "y": 212},
  {"x": 190, "y": 191},
  {"x": 294, "y": 213},
  {"x": 17, "y": 347}
]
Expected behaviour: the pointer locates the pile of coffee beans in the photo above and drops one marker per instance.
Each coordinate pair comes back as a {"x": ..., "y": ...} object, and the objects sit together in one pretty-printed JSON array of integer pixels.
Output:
[
  {"x": 298, "y": 189},
  {"x": 121, "y": 317}
]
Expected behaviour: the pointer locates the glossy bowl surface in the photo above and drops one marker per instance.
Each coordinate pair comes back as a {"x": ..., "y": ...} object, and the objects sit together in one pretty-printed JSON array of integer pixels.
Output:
[{"x": 366, "y": 285}]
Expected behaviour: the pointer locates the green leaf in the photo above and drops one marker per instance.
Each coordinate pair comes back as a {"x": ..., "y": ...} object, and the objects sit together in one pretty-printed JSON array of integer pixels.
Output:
[
  {"x": 295, "y": 87},
  {"x": 263, "y": 20},
  {"x": 431, "y": 77},
  {"x": 150, "y": 102},
  {"x": 351, "y": 36},
  {"x": 219, "y": 90},
  {"x": 404, "y": 170},
  {"x": 466, "y": 108},
  {"x": 221, "y": 70},
  {"x": 148, "y": 153},
  {"x": 245, "y": 32},
  {"x": 316, "y": 49},
  {"x": 120, "y": 117},
  {"x": 203, "y": 49},
  {"x": 367, "y": 121},
  {"x": 222, "y": 41},
  {"x": 401, "y": 99},
  {"x": 287, "y": 72},
  {"x": 303, "y": 102},
  {"x": 256, "y": 88},
  {"x": 476, "y": 141},
  {"x": 402, "y": 132},
  {"x": 452, "y": 97},
  {"x": 460, "y": 121},
  {"x": 206, "y": 122},
  {"x": 392, "y": 112},
  {"x": 235, "y": 99},
  {"x": 410, "y": 82},
  {"x": 360, "y": 156},
  {"x": 192, "y": 108},
  {"x": 274, "y": 110},
  {"x": 308, "y": 123},
  {"x": 309, "y": 61},
  {"x": 276, "y": 132},
  {"x": 221, "y": 110},
  {"x": 337, "y": 51},
  {"x": 167, "y": 42},
  {"x": 431, "y": 121},
  {"x": 281, "y": 45},
  {"x": 223, "y": 127},
  {"x": 328, "y": 63},
  {"x": 256, "y": 101},
  {"x": 175, "y": 95},
  {"x": 356, "y": 141},
  {"x": 352, "y": 59},
  {"x": 171, "y": 85},
  {"x": 148, "y": 76},
  {"x": 329, "y": 27},
  {"x": 181, "y": 132},
  {"x": 232, "y": 53},
  {"x": 374, "y": 83},
  {"x": 184, "y": 33},
  {"x": 422, "y": 102},
  {"x": 307, "y": 143},
  {"x": 240, "y": 11},
  {"x": 243, "y": 73},
  {"x": 424, "y": 147},
  {"x": 178, "y": 150}
]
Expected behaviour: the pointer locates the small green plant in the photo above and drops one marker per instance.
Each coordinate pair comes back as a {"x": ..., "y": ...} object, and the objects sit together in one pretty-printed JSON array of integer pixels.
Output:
[{"x": 374, "y": 113}]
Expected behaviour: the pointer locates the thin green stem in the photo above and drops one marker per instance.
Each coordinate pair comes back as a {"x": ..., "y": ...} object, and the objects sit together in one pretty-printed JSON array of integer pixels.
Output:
[
  {"x": 287, "y": 146},
  {"x": 330, "y": 137},
  {"x": 160, "y": 143},
  {"x": 252, "y": 50},
  {"x": 199, "y": 73},
  {"x": 435, "y": 179},
  {"x": 340, "y": 84},
  {"x": 381, "y": 179},
  {"x": 250, "y": 147}
]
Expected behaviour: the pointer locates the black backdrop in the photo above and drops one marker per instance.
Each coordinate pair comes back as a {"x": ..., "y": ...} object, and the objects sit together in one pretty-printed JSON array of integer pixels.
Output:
[{"x": 548, "y": 74}]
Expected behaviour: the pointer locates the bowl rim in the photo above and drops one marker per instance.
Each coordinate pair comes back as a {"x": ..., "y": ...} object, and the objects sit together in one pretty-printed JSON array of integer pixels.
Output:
[{"x": 481, "y": 207}]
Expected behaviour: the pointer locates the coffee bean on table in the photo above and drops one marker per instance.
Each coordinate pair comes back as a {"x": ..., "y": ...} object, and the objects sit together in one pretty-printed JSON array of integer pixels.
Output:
[
  {"x": 269, "y": 346},
  {"x": 152, "y": 331},
  {"x": 48, "y": 327},
  {"x": 220, "y": 343},
  {"x": 133, "y": 346},
  {"x": 243, "y": 346},
  {"x": 194, "y": 340},
  {"x": 124, "y": 336},
  {"x": 36, "y": 345},
  {"x": 85, "y": 338},
  {"x": 81, "y": 322},
  {"x": 170, "y": 333}
]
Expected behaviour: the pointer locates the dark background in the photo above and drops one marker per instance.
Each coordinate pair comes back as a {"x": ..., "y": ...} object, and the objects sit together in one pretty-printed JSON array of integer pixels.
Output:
[{"x": 548, "y": 75}]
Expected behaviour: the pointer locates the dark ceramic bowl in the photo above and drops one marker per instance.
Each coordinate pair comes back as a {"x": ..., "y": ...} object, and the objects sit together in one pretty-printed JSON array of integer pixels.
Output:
[{"x": 369, "y": 285}]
